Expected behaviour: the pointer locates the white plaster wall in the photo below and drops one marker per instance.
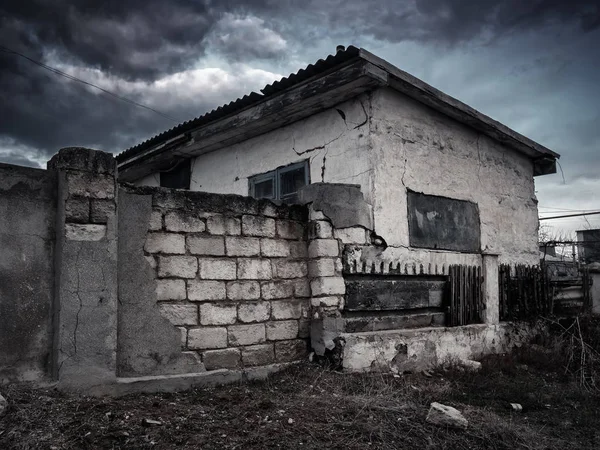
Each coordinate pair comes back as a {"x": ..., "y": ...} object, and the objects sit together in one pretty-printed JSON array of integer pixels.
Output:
[
  {"x": 337, "y": 150},
  {"x": 149, "y": 180},
  {"x": 418, "y": 148}
]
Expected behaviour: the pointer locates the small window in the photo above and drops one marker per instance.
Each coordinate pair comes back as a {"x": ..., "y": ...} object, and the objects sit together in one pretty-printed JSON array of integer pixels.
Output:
[
  {"x": 178, "y": 176},
  {"x": 280, "y": 184}
]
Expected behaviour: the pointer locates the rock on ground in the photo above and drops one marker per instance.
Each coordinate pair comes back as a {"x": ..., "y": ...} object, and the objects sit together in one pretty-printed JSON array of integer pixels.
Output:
[
  {"x": 446, "y": 416},
  {"x": 3, "y": 405}
]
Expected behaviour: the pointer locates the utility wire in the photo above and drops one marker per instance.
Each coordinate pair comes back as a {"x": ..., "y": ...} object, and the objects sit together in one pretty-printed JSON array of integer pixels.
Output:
[
  {"x": 73, "y": 78},
  {"x": 570, "y": 215}
]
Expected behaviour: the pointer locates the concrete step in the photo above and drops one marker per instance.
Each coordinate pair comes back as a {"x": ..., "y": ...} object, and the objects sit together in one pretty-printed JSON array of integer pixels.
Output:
[{"x": 400, "y": 321}]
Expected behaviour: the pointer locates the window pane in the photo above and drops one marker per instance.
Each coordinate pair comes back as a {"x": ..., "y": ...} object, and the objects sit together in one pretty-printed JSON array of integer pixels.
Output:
[
  {"x": 178, "y": 177},
  {"x": 291, "y": 181},
  {"x": 264, "y": 189}
]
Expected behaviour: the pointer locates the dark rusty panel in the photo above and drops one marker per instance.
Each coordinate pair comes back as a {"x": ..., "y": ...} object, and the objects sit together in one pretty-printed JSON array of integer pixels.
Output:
[
  {"x": 393, "y": 294},
  {"x": 394, "y": 322},
  {"x": 443, "y": 223}
]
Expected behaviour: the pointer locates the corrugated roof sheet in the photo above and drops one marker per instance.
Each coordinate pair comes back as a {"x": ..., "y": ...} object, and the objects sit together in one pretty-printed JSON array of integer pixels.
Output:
[{"x": 320, "y": 67}]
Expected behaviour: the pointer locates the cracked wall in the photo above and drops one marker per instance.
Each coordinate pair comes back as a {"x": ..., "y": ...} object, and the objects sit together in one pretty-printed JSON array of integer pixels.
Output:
[{"x": 27, "y": 221}]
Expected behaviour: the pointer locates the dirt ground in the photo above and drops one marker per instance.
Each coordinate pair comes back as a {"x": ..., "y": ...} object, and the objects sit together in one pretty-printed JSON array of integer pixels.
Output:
[{"x": 309, "y": 407}]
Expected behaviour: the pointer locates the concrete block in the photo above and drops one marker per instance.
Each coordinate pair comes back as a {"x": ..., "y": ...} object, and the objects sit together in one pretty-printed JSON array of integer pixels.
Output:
[
  {"x": 229, "y": 358},
  {"x": 217, "y": 314},
  {"x": 258, "y": 355},
  {"x": 254, "y": 269},
  {"x": 102, "y": 210},
  {"x": 277, "y": 289},
  {"x": 328, "y": 286},
  {"x": 254, "y": 312},
  {"x": 206, "y": 338},
  {"x": 294, "y": 350},
  {"x": 301, "y": 288},
  {"x": 81, "y": 232},
  {"x": 288, "y": 229},
  {"x": 298, "y": 249},
  {"x": 324, "y": 267},
  {"x": 156, "y": 220},
  {"x": 287, "y": 309},
  {"x": 179, "y": 314},
  {"x": 289, "y": 269},
  {"x": 258, "y": 226},
  {"x": 217, "y": 269},
  {"x": 183, "y": 221},
  {"x": 242, "y": 246},
  {"x": 304, "y": 328},
  {"x": 205, "y": 245},
  {"x": 323, "y": 248},
  {"x": 200, "y": 290},
  {"x": 177, "y": 266},
  {"x": 320, "y": 229},
  {"x": 83, "y": 159},
  {"x": 170, "y": 289},
  {"x": 246, "y": 334},
  {"x": 274, "y": 248},
  {"x": 223, "y": 225},
  {"x": 354, "y": 235},
  {"x": 315, "y": 214},
  {"x": 243, "y": 290},
  {"x": 282, "y": 330},
  {"x": 90, "y": 185},
  {"x": 328, "y": 302},
  {"x": 168, "y": 243},
  {"x": 183, "y": 331},
  {"x": 77, "y": 210}
]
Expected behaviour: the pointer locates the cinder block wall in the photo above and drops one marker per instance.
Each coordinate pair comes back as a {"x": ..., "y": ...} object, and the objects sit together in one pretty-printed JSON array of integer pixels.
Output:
[{"x": 230, "y": 273}]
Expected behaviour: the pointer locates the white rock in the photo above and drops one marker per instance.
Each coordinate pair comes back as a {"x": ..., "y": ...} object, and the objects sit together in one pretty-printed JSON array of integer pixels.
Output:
[
  {"x": 469, "y": 364},
  {"x": 446, "y": 416}
]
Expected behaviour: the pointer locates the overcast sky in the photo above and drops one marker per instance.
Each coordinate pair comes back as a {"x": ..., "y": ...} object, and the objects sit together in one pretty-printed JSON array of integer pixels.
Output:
[{"x": 534, "y": 65}]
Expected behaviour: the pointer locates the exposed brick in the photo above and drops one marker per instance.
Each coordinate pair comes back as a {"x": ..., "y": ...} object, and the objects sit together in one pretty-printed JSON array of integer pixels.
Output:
[
  {"x": 287, "y": 309},
  {"x": 183, "y": 221},
  {"x": 328, "y": 286},
  {"x": 289, "y": 269},
  {"x": 217, "y": 314},
  {"x": 223, "y": 225},
  {"x": 180, "y": 314},
  {"x": 320, "y": 229},
  {"x": 254, "y": 269},
  {"x": 323, "y": 247},
  {"x": 282, "y": 330},
  {"x": 287, "y": 229},
  {"x": 301, "y": 288},
  {"x": 298, "y": 249},
  {"x": 206, "y": 245},
  {"x": 329, "y": 301},
  {"x": 229, "y": 358},
  {"x": 205, "y": 338},
  {"x": 287, "y": 351},
  {"x": 170, "y": 290},
  {"x": 242, "y": 246},
  {"x": 243, "y": 290},
  {"x": 258, "y": 226},
  {"x": 277, "y": 289},
  {"x": 156, "y": 220},
  {"x": 169, "y": 243},
  {"x": 274, "y": 248},
  {"x": 354, "y": 235},
  {"x": 316, "y": 215},
  {"x": 217, "y": 269},
  {"x": 258, "y": 355},
  {"x": 77, "y": 210},
  {"x": 177, "y": 266},
  {"x": 102, "y": 210},
  {"x": 321, "y": 267},
  {"x": 254, "y": 312},
  {"x": 199, "y": 290},
  {"x": 246, "y": 334}
]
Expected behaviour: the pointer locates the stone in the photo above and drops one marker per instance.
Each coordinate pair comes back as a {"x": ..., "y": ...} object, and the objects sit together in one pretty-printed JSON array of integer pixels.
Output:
[
  {"x": 254, "y": 312},
  {"x": 328, "y": 301},
  {"x": 301, "y": 288},
  {"x": 282, "y": 330},
  {"x": 254, "y": 269},
  {"x": 446, "y": 416},
  {"x": 304, "y": 328},
  {"x": 242, "y": 246},
  {"x": 3, "y": 405},
  {"x": 77, "y": 210},
  {"x": 286, "y": 309},
  {"x": 314, "y": 214},
  {"x": 199, "y": 290},
  {"x": 258, "y": 226},
  {"x": 289, "y": 269},
  {"x": 207, "y": 338},
  {"x": 258, "y": 355},
  {"x": 277, "y": 289},
  {"x": 80, "y": 232},
  {"x": 102, "y": 210},
  {"x": 287, "y": 229},
  {"x": 324, "y": 267},
  {"x": 183, "y": 221},
  {"x": 206, "y": 245},
  {"x": 298, "y": 249},
  {"x": 229, "y": 358},
  {"x": 354, "y": 235},
  {"x": 169, "y": 243},
  {"x": 177, "y": 266},
  {"x": 90, "y": 185},
  {"x": 328, "y": 286},
  {"x": 217, "y": 314},
  {"x": 179, "y": 314},
  {"x": 156, "y": 221},
  {"x": 184, "y": 332},
  {"x": 170, "y": 289},
  {"x": 320, "y": 229},
  {"x": 217, "y": 269},
  {"x": 274, "y": 248},
  {"x": 243, "y": 290},
  {"x": 223, "y": 225},
  {"x": 288, "y": 351},
  {"x": 246, "y": 334},
  {"x": 323, "y": 247},
  {"x": 471, "y": 365}
]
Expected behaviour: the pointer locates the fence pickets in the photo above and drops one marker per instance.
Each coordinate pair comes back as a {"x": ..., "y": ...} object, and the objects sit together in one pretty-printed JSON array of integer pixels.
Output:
[
  {"x": 525, "y": 292},
  {"x": 465, "y": 292}
]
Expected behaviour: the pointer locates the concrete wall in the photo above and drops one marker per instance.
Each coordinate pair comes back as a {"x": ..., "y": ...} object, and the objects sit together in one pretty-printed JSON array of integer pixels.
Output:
[{"x": 27, "y": 221}]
